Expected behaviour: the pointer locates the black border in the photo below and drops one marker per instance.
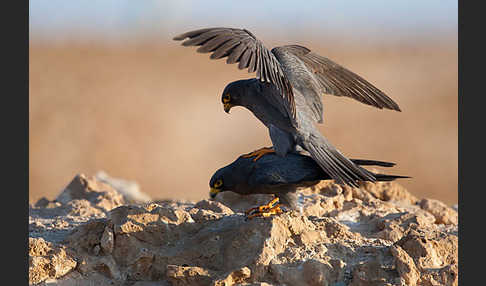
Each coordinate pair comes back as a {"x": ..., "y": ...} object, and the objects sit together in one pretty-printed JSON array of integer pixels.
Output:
[
  {"x": 15, "y": 137},
  {"x": 471, "y": 123}
]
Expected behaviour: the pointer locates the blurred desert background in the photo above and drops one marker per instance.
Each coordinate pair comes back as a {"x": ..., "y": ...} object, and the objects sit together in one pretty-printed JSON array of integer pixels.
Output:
[{"x": 109, "y": 90}]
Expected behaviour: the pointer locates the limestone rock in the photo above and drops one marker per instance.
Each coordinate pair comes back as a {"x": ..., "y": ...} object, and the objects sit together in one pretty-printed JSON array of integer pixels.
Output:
[
  {"x": 377, "y": 234},
  {"x": 442, "y": 213},
  {"x": 47, "y": 261},
  {"x": 96, "y": 192},
  {"x": 405, "y": 265},
  {"x": 130, "y": 190}
]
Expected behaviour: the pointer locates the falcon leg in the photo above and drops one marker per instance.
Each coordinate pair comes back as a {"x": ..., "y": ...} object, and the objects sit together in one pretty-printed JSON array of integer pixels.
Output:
[
  {"x": 259, "y": 153},
  {"x": 261, "y": 209}
]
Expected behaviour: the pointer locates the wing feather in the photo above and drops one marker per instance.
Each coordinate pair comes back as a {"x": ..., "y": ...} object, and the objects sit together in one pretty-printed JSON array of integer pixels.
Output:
[
  {"x": 252, "y": 65},
  {"x": 245, "y": 57},
  {"x": 201, "y": 39},
  {"x": 214, "y": 43},
  {"x": 224, "y": 49},
  {"x": 236, "y": 53},
  {"x": 337, "y": 80}
]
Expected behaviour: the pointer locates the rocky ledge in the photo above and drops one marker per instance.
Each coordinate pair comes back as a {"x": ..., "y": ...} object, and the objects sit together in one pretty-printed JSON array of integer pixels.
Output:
[{"x": 103, "y": 231}]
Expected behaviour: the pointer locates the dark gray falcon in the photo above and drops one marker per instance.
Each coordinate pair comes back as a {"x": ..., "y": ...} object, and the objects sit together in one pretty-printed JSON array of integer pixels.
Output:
[
  {"x": 285, "y": 95},
  {"x": 281, "y": 176}
]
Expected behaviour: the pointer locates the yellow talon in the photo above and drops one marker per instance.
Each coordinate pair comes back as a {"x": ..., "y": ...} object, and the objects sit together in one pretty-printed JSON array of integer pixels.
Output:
[
  {"x": 259, "y": 153},
  {"x": 260, "y": 209},
  {"x": 276, "y": 210},
  {"x": 272, "y": 208}
]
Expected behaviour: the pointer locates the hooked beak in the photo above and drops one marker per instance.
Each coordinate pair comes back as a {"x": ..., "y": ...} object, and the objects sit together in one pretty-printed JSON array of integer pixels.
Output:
[
  {"x": 227, "y": 107},
  {"x": 213, "y": 192}
]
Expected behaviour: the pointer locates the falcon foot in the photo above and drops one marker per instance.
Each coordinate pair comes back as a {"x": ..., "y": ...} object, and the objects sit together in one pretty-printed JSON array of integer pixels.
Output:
[
  {"x": 276, "y": 210},
  {"x": 259, "y": 153},
  {"x": 272, "y": 208}
]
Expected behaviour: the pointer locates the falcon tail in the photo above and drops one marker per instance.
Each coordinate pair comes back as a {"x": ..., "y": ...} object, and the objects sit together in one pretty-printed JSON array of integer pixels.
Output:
[
  {"x": 385, "y": 178},
  {"x": 339, "y": 168},
  {"x": 364, "y": 162},
  {"x": 379, "y": 177}
]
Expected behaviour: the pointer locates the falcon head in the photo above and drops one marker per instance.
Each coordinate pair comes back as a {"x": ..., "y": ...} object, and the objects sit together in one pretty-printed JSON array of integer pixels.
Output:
[
  {"x": 220, "y": 182},
  {"x": 231, "y": 177},
  {"x": 232, "y": 95}
]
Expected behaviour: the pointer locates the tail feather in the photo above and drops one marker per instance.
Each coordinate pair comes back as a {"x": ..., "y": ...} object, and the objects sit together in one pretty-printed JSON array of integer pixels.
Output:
[
  {"x": 364, "y": 162},
  {"x": 383, "y": 177},
  {"x": 340, "y": 168},
  {"x": 379, "y": 177}
]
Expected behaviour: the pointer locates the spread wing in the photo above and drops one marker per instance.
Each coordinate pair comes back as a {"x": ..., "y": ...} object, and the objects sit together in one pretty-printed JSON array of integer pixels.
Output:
[
  {"x": 242, "y": 47},
  {"x": 337, "y": 80}
]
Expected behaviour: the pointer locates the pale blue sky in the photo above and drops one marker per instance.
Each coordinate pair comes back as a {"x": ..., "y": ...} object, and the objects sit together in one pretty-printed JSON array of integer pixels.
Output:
[{"x": 119, "y": 19}]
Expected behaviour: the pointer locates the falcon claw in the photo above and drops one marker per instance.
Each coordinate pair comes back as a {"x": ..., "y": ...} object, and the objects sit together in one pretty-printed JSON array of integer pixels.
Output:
[
  {"x": 269, "y": 205},
  {"x": 276, "y": 210},
  {"x": 272, "y": 208},
  {"x": 259, "y": 153}
]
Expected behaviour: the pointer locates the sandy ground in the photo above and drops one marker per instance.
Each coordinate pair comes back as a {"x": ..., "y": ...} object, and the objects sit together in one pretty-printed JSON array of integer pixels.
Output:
[{"x": 152, "y": 113}]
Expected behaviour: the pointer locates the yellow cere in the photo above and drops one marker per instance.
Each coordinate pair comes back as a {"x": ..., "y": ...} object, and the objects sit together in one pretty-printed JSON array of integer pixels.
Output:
[{"x": 213, "y": 192}]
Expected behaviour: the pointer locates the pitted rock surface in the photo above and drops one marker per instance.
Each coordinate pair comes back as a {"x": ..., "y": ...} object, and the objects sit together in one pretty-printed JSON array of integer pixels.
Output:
[{"x": 377, "y": 234}]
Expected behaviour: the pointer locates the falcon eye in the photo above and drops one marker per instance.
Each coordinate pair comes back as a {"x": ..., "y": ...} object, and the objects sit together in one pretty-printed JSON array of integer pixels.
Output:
[
  {"x": 218, "y": 183},
  {"x": 226, "y": 98}
]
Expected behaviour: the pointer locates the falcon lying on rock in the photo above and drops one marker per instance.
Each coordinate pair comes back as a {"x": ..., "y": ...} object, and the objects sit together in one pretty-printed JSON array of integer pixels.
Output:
[{"x": 281, "y": 176}]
